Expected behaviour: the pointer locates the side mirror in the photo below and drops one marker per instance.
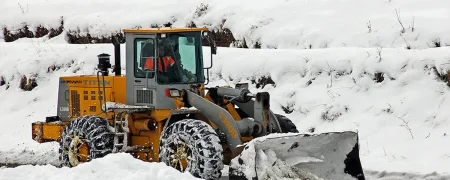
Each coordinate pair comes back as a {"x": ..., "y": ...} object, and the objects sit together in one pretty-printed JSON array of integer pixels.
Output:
[
  {"x": 211, "y": 41},
  {"x": 213, "y": 46}
]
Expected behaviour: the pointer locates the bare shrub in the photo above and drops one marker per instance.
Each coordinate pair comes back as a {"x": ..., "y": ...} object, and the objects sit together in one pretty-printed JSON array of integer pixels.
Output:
[
  {"x": 445, "y": 77},
  {"x": 27, "y": 84},
  {"x": 263, "y": 81},
  {"x": 2, "y": 81},
  {"x": 11, "y": 35}
]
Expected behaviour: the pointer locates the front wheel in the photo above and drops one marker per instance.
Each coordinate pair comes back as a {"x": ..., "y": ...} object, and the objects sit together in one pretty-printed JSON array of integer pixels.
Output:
[
  {"x": 193, "y": 146},
  {"x": 84, "y": 139},
  {"x": 287, "y": 126}
]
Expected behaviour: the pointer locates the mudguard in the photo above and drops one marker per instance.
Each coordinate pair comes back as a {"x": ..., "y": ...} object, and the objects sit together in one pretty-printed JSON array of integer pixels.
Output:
[{"x": 333, "y": 155}]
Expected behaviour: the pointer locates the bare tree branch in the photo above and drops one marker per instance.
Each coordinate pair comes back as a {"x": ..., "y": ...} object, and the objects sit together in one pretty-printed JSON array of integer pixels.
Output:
[
  {"x": 405, "y": 124},
  {"x": 23, "y": 12},
  {"x": 400, "y": 21}
]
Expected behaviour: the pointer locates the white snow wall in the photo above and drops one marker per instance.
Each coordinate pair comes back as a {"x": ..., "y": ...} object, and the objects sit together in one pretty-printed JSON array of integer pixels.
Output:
[
  {"x": 403, "y": 121},
  {"x": 273, "y": 24},
  {"x": 328, "y": 90}
]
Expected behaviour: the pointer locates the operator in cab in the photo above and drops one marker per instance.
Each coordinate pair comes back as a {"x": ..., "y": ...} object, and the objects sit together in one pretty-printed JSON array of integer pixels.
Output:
[{"x": 167, "y": 70}]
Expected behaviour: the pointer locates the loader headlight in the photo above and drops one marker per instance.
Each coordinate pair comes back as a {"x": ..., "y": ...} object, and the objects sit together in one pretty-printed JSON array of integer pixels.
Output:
[{"x": 172, "y": 93}]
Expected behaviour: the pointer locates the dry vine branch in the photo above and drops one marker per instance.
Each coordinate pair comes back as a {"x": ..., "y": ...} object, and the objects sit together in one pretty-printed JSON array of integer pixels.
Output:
[
  {"x": 400, "y": 21},
  {"x": 331, "y": 76},
  {"x": 379, "y": 51},
  {"x": 405, "y": 124}
]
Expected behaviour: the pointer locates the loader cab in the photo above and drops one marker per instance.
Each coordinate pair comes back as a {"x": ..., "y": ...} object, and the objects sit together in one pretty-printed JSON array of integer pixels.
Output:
[{"x": 161, "y": 58}]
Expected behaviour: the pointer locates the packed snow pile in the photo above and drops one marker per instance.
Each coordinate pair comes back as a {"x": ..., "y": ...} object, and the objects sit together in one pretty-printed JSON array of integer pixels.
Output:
[
  {"x": 119, "y": 166},
  {"x": 297, "y": 156},
  {"x": 269, "y": 24}
]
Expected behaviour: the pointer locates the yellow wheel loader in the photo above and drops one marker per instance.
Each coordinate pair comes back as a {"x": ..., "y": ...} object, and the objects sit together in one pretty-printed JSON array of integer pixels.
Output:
[{"x": 162, "y": 111}]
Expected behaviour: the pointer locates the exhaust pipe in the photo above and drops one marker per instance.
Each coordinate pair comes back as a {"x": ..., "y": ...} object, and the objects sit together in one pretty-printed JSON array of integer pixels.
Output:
[{"x": 117, "y": 68}]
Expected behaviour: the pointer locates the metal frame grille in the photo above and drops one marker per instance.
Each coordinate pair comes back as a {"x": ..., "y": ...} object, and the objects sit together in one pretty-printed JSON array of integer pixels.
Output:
[
  {"x": 144, "y": 96},
  {"x": 75, "y": 102}
]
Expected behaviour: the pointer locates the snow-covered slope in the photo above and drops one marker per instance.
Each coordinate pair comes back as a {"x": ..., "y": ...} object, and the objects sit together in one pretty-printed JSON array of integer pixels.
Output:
[
  {"x": 403, "y": 120},
  {"x": 275, "y": 24},
  {"x": 348, "y": 99}
]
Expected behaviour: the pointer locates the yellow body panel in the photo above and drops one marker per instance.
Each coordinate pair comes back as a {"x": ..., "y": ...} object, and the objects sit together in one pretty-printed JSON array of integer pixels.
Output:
[
  {"x": 45, "y": 132},
  {"x": 233, "y": 111},
  {"x": 89, "y": 92},
  {"x": 153, "y": 137},
  {"x": 164, "y": 30},
  {"x": 86, "y": 89}
]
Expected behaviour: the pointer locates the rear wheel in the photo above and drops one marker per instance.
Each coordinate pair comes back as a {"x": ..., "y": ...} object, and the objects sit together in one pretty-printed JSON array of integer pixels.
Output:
[
  {"x": 286, "y": 124},
  {"x": 193, "y": 146},
  {"x": 84, "y": 139}
]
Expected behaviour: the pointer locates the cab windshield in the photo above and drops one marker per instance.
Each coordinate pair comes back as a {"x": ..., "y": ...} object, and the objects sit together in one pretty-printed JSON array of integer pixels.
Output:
[
  {"x": 176, "y": 58},
  {"x": 179, "y": 60}
]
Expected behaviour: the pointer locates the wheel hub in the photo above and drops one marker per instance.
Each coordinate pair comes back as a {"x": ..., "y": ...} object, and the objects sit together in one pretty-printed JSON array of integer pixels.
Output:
[
  {"x": 78, "y": 150},
  {"x": 180, "y": 156}
]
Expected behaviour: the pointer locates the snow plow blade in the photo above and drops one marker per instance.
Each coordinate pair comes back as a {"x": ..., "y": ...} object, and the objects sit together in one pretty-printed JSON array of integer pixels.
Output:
[{"x": 325, "y": 156}]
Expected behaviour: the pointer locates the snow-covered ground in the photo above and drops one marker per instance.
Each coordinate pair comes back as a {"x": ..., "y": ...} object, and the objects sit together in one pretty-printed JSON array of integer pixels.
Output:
[
  {"x": 349, "y": 99},
  {"x": 402, "y": 121},
  {"x": 118, "y": 166}
]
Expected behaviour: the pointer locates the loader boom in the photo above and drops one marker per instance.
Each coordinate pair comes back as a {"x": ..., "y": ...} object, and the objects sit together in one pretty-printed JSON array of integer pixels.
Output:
[{"x": 261, "y": 120}]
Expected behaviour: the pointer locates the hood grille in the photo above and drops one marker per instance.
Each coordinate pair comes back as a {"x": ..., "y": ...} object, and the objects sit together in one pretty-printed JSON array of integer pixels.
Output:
[{"x": 144, "y": 96}]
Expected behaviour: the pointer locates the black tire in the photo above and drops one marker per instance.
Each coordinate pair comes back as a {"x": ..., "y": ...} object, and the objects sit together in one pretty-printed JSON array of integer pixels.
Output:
[
  {"x": 203, "y": 148},
  {"x": 93, "y": 130},
  {"x": 286, "y": 124}
]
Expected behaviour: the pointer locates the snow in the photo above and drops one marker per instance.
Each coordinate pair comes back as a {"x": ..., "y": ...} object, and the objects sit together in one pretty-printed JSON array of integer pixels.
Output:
[
  {"x": 275, "y": 24},
  {"x": 111, "y": 106},
  {"x": 291, "y": 156},
  {"x": 375, "y": 110},
  {"x": 119, "y": 166},
  {"x": 402, "y": 122}
]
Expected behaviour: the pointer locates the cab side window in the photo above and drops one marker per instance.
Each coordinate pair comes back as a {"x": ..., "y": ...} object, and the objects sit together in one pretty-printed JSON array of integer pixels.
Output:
[{"x": 144, "y": 58}]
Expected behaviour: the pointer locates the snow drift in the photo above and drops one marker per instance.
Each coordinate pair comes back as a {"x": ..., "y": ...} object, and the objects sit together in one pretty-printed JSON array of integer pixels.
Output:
[
  {"x": 112, "y": 167},
  {"x": 402, "y": 121},
  {"x": 336, "y": 90}
]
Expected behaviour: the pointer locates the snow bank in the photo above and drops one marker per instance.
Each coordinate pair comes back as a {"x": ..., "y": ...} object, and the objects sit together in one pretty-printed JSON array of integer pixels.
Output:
[
  {"x": 273, "y": 24},
  {"x": 115, "y": 166},
  {"x": 409, "y": 97},
  {"x": 348, "y": 99}
]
